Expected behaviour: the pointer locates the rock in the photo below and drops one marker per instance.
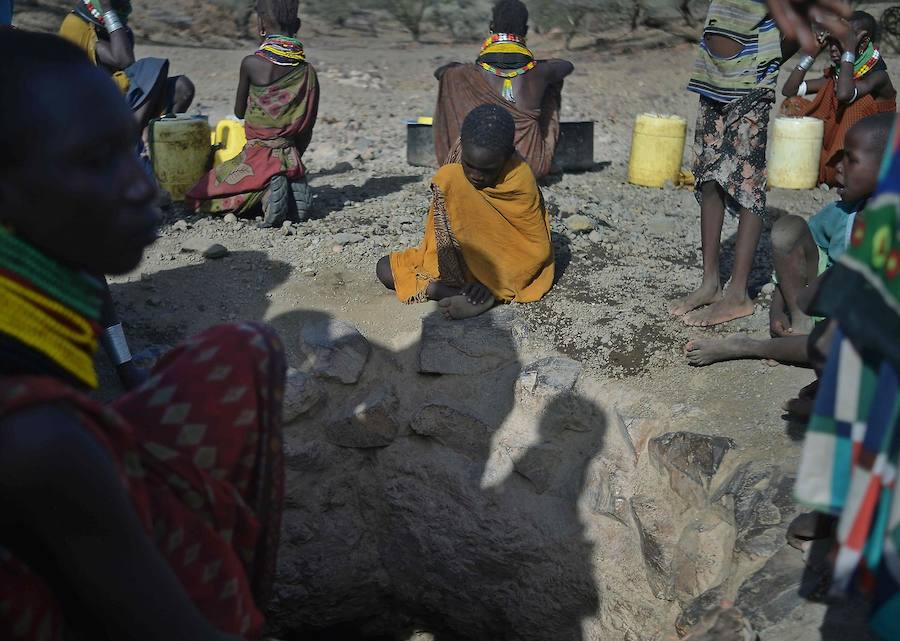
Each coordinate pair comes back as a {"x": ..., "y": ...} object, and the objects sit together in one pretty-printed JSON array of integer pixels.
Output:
[
  {"x": 595, "y": 236},
  {"x": 215, "y": 251},
  {"x": 347, "y": 238},
  {"x": 702, "y": 558},
  {"x": 470, "y": 346},
  {"x": 337, "y": 249},
  {"x": 334, "y": 349},
  {"x": 539, "y": 464},
  {"x": 786, "y": 600},
  {"x": 302, "y": 393},
  {"x": 548, "y": 377},
  {"x": 579, "y": 224},
  {"x": 607, "y": 495},
  {"x": 229, "y": 219},
  {"x": 694, "y": 612},
  {"x": 657, "y": 537},
  {"x": 369, "y": 424},
  {"x": 453, "y": 429},
  {"x": 180, "y": 225},
  {"x": 692, "y": 460},
  {"x": 760, "y": 497},
  {"x": 287, "y": 229},
  {"x": 779, "y": 587},
  {"x": 768, "y": 289},
  {"x": 724, "y": 624}
]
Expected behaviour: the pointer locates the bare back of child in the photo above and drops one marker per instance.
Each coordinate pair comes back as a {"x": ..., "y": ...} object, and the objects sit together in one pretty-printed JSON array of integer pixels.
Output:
[{"x": 802, "y": 253}]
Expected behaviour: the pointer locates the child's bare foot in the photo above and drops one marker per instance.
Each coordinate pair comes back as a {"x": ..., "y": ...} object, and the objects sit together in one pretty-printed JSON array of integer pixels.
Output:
[
  {"x": 779, "y": 324},
  {"x": 459, "y": 307},
  {"x": 703, "y": 295},
  {"x": 801, "y": 324},
  {"x": 721, "y": 311},
  {"x": 706, "y": 352},
  {"x": 800, "y": 408}
]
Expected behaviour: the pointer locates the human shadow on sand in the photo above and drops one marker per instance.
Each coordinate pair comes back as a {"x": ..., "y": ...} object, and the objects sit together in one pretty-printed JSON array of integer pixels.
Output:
[
  {"x": 465, "y": 523},
  {"x": 329, "y": 198}
]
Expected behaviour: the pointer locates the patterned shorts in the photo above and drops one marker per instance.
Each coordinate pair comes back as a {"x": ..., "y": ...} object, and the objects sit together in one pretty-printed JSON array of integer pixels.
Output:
[{"x": 730, "y": 149}]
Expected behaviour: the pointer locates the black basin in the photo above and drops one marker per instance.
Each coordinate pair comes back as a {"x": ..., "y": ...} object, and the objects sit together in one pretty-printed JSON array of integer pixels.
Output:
[{"x": 574, "y": 150}]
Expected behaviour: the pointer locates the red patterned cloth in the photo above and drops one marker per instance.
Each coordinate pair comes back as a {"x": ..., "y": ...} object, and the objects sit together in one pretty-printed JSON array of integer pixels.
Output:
[
  {"x": 279, "y": 125},
  {"x": 198, "y": 448}
]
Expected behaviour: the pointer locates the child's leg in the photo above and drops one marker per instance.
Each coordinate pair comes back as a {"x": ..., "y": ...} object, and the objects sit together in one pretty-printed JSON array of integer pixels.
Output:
[
  {"x": 796, "y": 264},
  {"x": 789, "y": 349},
  {"x": 384, "y": 273},
  {"x": 735, "y": 303},
  {"x": 182, "y": 94},
  {"x": 712, "y": 216}
]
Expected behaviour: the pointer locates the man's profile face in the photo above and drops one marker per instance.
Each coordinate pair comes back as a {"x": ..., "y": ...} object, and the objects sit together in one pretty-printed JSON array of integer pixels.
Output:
[{"x": 79, "y": 192}]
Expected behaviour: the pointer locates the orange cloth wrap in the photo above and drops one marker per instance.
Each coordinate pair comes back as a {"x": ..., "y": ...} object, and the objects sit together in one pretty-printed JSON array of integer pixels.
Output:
[{"x": 502, "y": 234}]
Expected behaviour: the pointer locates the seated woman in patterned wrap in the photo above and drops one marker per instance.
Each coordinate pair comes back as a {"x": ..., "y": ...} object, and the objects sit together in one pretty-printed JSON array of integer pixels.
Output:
[
  {"x": 101, "y": 30},
  {"x": 278, "y": 94},
  {"x": 154, "y": 518},
  {"x": 849, "y": 91},
  {"x": 487, "y": 237}
]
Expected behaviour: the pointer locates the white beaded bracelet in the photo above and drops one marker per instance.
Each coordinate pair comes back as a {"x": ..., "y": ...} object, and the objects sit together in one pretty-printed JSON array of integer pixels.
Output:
[{"x": 802, "y": 89}]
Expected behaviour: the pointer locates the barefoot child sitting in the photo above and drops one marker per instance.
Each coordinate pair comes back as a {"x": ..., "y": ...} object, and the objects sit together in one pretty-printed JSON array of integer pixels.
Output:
[
  {"x": 855, "y": 86},
  {"x": 487, "y": 237},
  {"x": 804, "y": 251},
  {"x": 278, "y": 92}
]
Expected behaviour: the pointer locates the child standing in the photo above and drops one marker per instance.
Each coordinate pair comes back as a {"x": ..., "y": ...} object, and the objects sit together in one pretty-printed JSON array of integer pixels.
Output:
[
  {"x": 735, "y": 74},
  {"x": 278, "y": 92}
]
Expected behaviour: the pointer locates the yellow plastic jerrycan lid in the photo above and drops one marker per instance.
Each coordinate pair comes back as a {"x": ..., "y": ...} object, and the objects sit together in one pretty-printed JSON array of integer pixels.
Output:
[{"x": 229, "y": 138}]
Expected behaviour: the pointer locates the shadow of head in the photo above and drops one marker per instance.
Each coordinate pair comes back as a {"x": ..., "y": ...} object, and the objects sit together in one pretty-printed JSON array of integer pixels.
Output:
[{"x": 175, "y": 303}]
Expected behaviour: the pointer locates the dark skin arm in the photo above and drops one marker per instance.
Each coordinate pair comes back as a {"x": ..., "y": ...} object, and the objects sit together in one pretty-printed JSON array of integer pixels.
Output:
[
  {"x": 555, "y": 70},
  {"x": 243, "y": 90},
  {"x": 129, "y": 374},
  {"x": 440, "y": 71},
  {"x": 117, "y": 52},
  {"x": 59, "y": 487},
  {"x": 795, "y": 18}
]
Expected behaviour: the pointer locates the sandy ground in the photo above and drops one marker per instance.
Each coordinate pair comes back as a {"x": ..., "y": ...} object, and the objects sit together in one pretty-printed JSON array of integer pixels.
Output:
[{"x": 609, "y": 307}]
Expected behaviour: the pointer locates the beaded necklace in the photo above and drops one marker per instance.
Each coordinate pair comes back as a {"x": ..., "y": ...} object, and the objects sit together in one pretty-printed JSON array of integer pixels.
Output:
[
  {"x": 51, "y": 309},
  {"x": 864, "y": 62},
  {"x": 282, "y": 50},
  {"x": 509, "y": 46}
]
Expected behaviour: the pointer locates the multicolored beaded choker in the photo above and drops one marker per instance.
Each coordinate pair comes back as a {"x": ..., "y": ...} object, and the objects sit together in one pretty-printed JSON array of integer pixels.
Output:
[
  {"x": 48, "y": 308},
  {"x": 282, "y": 50},
  {"x": 864, "y": 62},
  {"x": 506, "y": 56}
]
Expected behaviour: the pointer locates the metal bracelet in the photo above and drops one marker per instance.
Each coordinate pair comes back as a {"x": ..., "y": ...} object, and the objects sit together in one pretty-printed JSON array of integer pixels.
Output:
[
  {"x": 855, "y": 95},
  {"x": 112, "y": 21},
  {"x": 806, "y": 62},
  {"x": 848, "y": 56},
  {"x": 117, "y": 344}
]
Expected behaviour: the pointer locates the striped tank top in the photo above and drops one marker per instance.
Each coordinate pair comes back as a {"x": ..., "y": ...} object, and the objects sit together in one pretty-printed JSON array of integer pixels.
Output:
[{"x": 748, "y": 23}]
